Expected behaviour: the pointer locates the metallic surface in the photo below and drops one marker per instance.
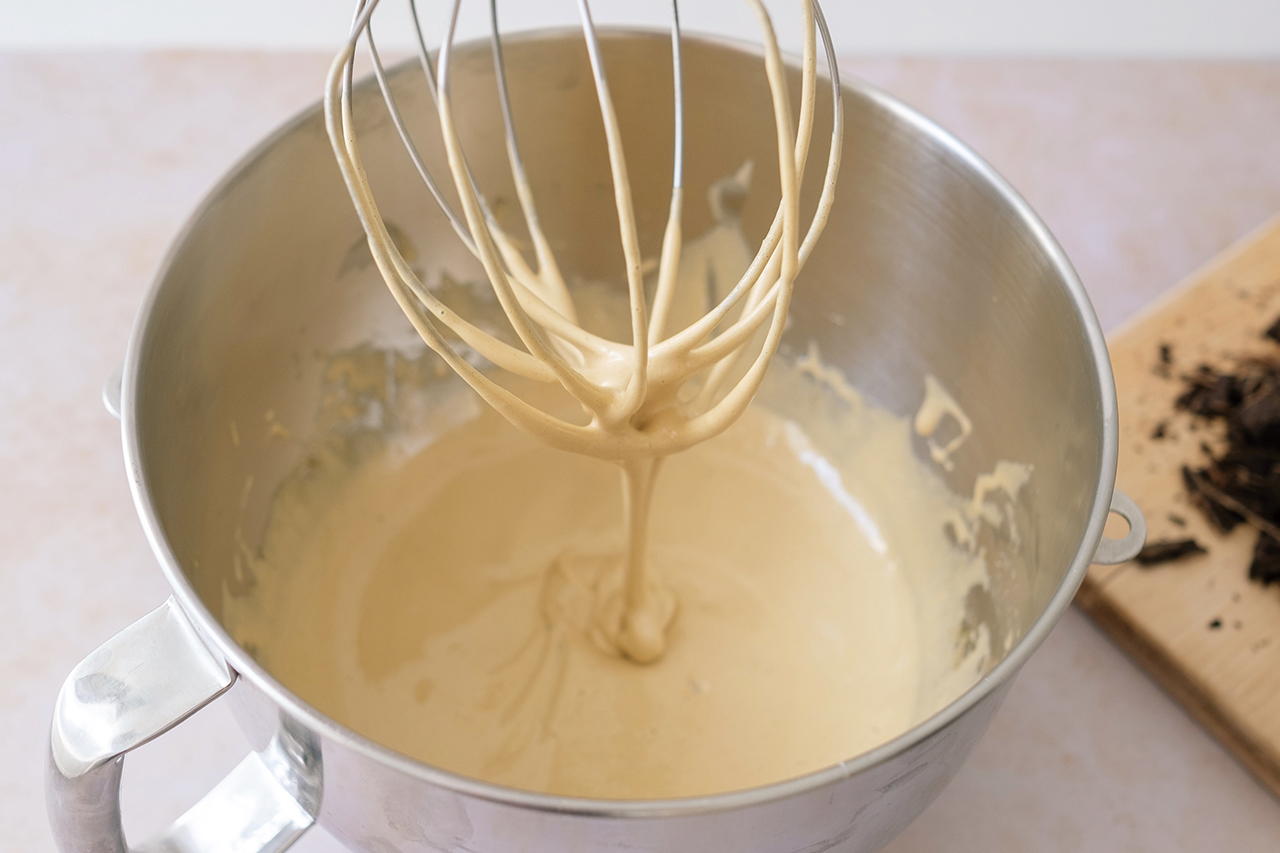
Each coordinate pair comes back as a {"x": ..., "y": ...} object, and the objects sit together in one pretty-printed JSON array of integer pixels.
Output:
[
  {"x": 1112, "y": 551},
  {"x": 931, "y": 264},
  {"x": 111, "y": 392},
  {"x": 139, "y": 684}
]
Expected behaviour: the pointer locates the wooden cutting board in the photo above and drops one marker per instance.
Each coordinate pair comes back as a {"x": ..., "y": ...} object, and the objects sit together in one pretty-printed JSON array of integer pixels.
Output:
[{"x": 1198, "y": 625}]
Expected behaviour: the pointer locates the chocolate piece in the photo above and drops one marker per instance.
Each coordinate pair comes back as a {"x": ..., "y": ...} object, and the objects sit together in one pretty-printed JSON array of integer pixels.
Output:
[
  {"x": 1224, "y": 520},
  {"x": 1242, "y": 484},
  {"x": 1165, "y": 550},
  {"x": 1258, "y": 418},
  {"x": 1273, "y": 331},
  {"x": 1265, "y": 567},
  {"x": 1211, "y": 394}
]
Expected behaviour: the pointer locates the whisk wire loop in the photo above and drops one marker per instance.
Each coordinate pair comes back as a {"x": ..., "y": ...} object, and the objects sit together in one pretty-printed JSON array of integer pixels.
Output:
[{"x": 672, "y": 237}]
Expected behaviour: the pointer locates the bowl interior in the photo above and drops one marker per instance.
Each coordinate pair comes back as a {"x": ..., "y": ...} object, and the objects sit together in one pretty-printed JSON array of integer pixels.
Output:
[{"x": 927, "y": 267}]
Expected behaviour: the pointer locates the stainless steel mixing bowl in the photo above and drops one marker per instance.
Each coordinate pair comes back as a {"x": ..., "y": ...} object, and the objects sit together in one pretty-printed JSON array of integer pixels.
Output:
[{"x": 931, "y": 264}]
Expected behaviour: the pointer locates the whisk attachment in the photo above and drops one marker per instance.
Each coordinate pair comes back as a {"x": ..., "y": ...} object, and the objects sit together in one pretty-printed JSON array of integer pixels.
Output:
[
  {"x": 661, "y": 392},
  {"x": 631, "y": 390}
]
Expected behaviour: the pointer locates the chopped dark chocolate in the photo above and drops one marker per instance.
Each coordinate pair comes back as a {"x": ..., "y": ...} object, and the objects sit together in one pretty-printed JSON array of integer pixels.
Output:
[
  {"x": 1166, "y": 352},
  {"x": 1161, "y": 430},
  {"x": 1215, "y": 624},
  {"x": 1166, "y": 550},
  {"x": 1242, "y": 483}
]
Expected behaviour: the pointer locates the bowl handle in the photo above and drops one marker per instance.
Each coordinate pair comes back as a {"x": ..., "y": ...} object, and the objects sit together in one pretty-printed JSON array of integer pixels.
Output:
[
  {"x": 139, "y": 684},
  {"x": 1112, "y": 551}
]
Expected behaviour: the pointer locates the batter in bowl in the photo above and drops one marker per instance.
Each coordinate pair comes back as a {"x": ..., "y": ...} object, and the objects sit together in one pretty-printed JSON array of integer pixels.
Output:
[
  {"x": 448, "y": 585},
  {"x": 442, "y": 597}
]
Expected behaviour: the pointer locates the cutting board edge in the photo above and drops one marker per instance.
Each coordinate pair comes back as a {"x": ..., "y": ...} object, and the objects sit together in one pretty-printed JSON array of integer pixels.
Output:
[{"x": 1093, "y": 600}]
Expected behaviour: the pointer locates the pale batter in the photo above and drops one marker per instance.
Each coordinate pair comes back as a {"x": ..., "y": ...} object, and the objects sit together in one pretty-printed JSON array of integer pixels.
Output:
[{"x": 444, "y": 600}]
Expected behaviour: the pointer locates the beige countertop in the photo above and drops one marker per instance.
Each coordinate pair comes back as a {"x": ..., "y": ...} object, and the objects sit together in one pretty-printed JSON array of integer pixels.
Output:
[{"x": 1143, "y": 170}]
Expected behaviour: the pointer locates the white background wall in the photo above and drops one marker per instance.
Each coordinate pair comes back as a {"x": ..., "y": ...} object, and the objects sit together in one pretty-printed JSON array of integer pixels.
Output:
[{"x": 1192, "y": 28}]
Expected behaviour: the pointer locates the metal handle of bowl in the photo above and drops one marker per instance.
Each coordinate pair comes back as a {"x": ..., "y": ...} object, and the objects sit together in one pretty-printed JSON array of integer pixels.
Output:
[
  {"x": 1112, "y": 551},
  {"x": 136, "y": 686}
]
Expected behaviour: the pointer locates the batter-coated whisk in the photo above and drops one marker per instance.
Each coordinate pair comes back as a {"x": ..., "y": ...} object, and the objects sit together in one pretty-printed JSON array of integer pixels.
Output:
[{"x": 658, "y": 393}]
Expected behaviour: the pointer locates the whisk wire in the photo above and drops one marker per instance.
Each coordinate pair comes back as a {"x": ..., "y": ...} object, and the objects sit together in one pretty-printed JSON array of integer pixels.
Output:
[
  {"x": 411, "y": 147},
  {"x": 525, "y": 277},
  {"x": 590, "y": 395},
  {"x": 637, "y": 384},
  {"x": 392, "y": 264},
  {"x": 549, "y": 271},
  {"x": 672, "y": 239}
]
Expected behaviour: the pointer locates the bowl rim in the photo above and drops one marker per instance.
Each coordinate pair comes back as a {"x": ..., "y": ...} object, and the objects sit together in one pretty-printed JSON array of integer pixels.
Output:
[{"x": 245, "y": 666}]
